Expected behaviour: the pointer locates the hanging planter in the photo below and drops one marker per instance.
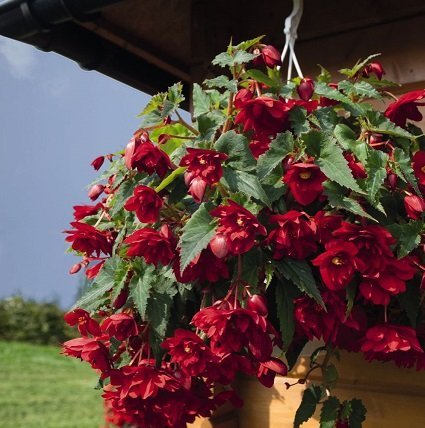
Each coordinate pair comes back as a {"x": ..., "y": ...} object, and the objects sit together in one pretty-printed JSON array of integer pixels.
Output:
[{"x": 286, "y": 211}]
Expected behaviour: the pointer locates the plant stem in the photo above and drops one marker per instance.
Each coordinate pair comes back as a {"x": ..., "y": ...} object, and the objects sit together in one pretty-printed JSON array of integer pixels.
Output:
[{"x": 186, "y": 125}]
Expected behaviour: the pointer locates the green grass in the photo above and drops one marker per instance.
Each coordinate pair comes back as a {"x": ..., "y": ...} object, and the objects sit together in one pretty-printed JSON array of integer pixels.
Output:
[{"x": 39, "y": 388}]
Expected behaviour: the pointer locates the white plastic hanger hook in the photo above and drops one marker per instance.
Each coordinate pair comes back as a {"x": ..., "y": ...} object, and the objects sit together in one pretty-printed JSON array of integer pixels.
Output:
[{"x": 291, "y": 33}]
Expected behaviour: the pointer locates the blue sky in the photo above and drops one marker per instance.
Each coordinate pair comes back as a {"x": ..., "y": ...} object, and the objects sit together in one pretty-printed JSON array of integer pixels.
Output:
[{"x": 54, "y": 120}]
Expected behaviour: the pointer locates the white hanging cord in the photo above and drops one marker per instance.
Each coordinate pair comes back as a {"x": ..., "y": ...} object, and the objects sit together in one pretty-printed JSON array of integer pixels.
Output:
[{"x": 291, "y": 27}]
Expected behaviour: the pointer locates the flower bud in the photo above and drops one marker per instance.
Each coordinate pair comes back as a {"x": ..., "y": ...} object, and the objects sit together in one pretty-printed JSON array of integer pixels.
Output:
[
  {"x": 270, "y": 56},
  {"x": 414, "y": 206},
  {"x": 375, "y": 139},
  {"x": 257, "y": 304},
  {"x": 121, "y": 299},
  {"x": 392, "y": 180},
  {"x": 75, "y": 268},
  {"x": 305, "y": 89},
  {"x": 287, "y": 162},
  {"x": 98, "y": 162},
  {"x": 109, "y": 156},
  {"x": 163, "y": 138},
  {"x": 95, "y": 191},
  {"x": 218, "y": 245},
  {"x": 197, "y": 189},
  {"x": 374, "y": 68}
]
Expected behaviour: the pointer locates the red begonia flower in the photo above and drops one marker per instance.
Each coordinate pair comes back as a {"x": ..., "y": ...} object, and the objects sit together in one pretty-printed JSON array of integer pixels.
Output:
[
  {"x": 81, "y": 211},
  {"x": 205, "y": 164},
  {"x": 294, "y": 237},
  {"x": 259, "y": 145},
  {"x": 89, "y": 240},
  {"x": 95, "y": 191},
  {"x": 93, "y": 271},
  {"x": 414, "y": 206},
  {"x": 374, "y": 68},
  {"x": 239, "y": 226},
  {"x": 305, "y": 182},
  {"x": 338, "y": 263},
  {"x": 305, "y": 89},
  {"x": 146, "y": 203},
  {"x": 269, "y": 56},
  {"x": 356, "y": 167},
  {"x": 98, "y": 162},
  {"x": 419, "y": 166},
  {"x": 121, "y": 326},
  {"x": 197, "y": 186},
  {"x": 90, "y": 350},
  {"x": 268, "y": 370},
  {"x": 85, "y": 323},
  {"x": 326, "y": 224},
  {"x": 406, "y": 107}
]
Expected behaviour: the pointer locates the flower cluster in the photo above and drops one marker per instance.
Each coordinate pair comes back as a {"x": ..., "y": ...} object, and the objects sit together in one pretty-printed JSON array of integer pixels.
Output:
[{"x": 284, "y": 212}]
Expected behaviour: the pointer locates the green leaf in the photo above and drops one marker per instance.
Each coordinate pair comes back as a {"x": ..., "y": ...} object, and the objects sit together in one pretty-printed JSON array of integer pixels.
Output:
[
  {"x": 201, "y": 101},
  {"x": 351, "y": 72},
  {"x": 170, "y": 178},
  {"x": 260, "y": 77},
  {"x": 208, "y": 125},
  {"x": 299, "y": 273},
  {"x": 241, "y": 181},
  {"x": 227, "y": 60},
  {"x": 326, "y": 118},
  {"x": 410, "y": 302},
  {"x": 305, "y": 411},
  {"x": 174, "y": 98},
  {"x": 348, "y": 140},
  {"x": 336, "y": 198},
  {"x": 285, "y": 311},
  {"x": 140, "y": 287},
  {"x": 222, "y": 82},
  {"x": 197, "y": 234},
  {"x": 358, "y": 413},
  {"x": 237, "y": 148},
  {"x": 380, "y": 124},
  {"x": 361, "y": 89},
  {"x": 376, "y": 173},
  {"x": 251, "y": 262},
  {"x": 110, "y": 275},
  {"x": 280, "y": 147},
  {"x": 121, "y": 195},
  {"x": 403, "y": 168},
  {"x": 333, "y": 94},
  {"x": 325, "y": 76},
  {"x": 243, "y": 46},
  {"x": 329, "y": 413},
  {"x": 333, "y": 164},
  {"x": 408, "y": 236},
  {"x": 330, "y": 376},
  {"x": 298, "y": 119}
]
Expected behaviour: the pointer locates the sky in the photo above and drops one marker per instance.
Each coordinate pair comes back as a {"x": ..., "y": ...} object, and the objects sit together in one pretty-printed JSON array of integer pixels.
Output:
[{"x": 55, "y": 119}]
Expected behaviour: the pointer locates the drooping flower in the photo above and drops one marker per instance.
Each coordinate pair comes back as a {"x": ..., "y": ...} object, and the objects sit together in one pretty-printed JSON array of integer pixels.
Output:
[
  {"x": 95, "y": 191},
  {"x": 98, "y": 162},
  {"x": 338, "y": 263},
  {"x": 93, "y": 271},
  {"x": 419, "y": 166},
  {"x": 91, "y": 350},
  {"x": 414, "y": 206},
  {"x": 144, "y": 156},
  {"x": 146, "y": 203},
  {"x": 121, "y": 326},
  {"x": 268, "y": 370},
  {"x": 197, "y": 186},
  {"x": 305, "y": 89},
  {"x": 239, "y": 226},
  {"x": 259, "y": 145},
  {"x": 88, "y": 240},
  {"x": 269, "y": 56},
  {"x": 153, "y": 245},
  {"x": 85, "y": 323},
  {"x": 81, "y": 211},
  {"x": 406, "y": 107},
  {"x": 325, "y": 225},
  {"x": 264, "y": 115},
  {"x": 305, "y": 182},
  {"x": 374, "y": 68},
  {"x": 294, "y": 237},
  {"x": 356, "y": 167}
]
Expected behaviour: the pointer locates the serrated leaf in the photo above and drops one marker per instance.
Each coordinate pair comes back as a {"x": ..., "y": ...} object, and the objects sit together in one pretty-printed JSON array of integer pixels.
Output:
[
  {"x": 360, "y": 89},
  {"x": 336, "y": 199},
  {"x": 408, "y": 236},
  {"x": 298, "y": 120},
  {"x": 348, "y": 140},
  {"x": 260, "y": 77},
  {"x": 280, "y": 147},
  {"x": 380, "y": 124},
  {"x": 333, "y": 94},
  {"x": 140, "y": 288},
  {"x": 376, "y": 173},
  {"x": 104, "y": 281},
  {"x": 358, "y": 413},
  {"x": 325, "y": 76},
  {"x": 305, "y": 411},
  {"x": 403, "y": 168},
  {"x": 201, "y": 101},
  {"x": 222, "y": 82},
  {"x": 243, "y": 46},
  {"x": 351, "y": 72},
  {"x": 197, "y": 234},
  {"x": 251, "y": 262},
  {"x": 239, "y": 57},
  {"x": 241, "y": 181},
  {"x": 326, "y": 118},
  {"x": 208, "y": 124},
  {"x": 330, "y": 376},
  {"x": 299, "y": 273},
  {"x": 333, "y": 164},
  {"x": 237, "y": 148},
  {"x": 329, "y": 412},
  {"x": 285, "y": 311}
]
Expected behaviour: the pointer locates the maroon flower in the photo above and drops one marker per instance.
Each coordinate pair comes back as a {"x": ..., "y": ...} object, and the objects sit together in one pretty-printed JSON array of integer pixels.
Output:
[
  {"x": 325, "y": 225},
  {"x": 338, "y": 264},
  {"x": 98, "y": 162},
  {"x": 143, "y": 155},
  {"x": 95, "y": 191},
  {"x": 356, "y": 167},
  {"x": 294, "y": 237},
  {"x": 305, "y": 89},
  {"x": 387, "y": 338},
  {"x": 189, "y": 351},
  {"x": 155, "y": 246},
  {"x": 406, "y": 107},
  {"x": 218, "y": 245},
  {"x": 94, "y": 270},
  {"x": 90, "y": 350},
  {"x": 373, "y": 68},
  {"x": 146, "y": 203},
  {"x": 85, "y": 323},
  {"x": 264, "y": 115},
  {"x": 268, "y": 370},
  {"x": 414, "y": 206},
  {"x": 121, "y": 326},
  {"x": 89, "y": 240},
  {"x": 373, "y": 243},
  {"x": 270, "y": 56},
  {"x": 239, "y": 226},
  {"x": 419, "y": 166},
  {"x": 205, "y": 164},
  {"x": 81, "y": 211},
  {"x": 259, "y": 145},
  {"x": 197, "y": 186},
  {"x": 305, "y": 182},
  {"x": 242, "y": 97}
]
